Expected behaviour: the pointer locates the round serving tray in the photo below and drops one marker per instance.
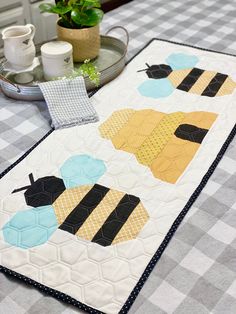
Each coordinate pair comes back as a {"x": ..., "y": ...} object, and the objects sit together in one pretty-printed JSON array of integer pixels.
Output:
[{"x": 110, "y": 63}]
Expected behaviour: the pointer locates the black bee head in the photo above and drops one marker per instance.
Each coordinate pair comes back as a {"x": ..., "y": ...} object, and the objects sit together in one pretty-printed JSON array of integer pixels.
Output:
[
  {"x": 43, "y": 191},
  {"x": 157, "y": 71}
]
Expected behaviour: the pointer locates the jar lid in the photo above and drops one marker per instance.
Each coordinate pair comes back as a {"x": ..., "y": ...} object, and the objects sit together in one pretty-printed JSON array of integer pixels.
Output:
[{"x": 56, "y": 48}]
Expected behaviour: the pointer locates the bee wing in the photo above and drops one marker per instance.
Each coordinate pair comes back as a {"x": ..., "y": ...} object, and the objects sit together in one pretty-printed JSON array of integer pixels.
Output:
[
  {"x": 156, "y": 88},
  {"x": 81, "y": 169},
  {"x": 30, "y": 227},
  {"x": 179, "y": 61}
]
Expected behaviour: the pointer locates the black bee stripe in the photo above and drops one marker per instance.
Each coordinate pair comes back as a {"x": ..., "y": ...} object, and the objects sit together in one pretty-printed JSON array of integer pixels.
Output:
[
  {"x": 190, "y": 133},
  {"x": 190, "y": 79},
  {"x": 81, "y": 212},
  {"x": 107, "y": 233},
  {"x": 215, "y": 84}
]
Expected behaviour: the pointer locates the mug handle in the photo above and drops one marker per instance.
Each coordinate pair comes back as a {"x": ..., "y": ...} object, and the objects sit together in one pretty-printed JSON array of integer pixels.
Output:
[{"x": 32, "y": 27}]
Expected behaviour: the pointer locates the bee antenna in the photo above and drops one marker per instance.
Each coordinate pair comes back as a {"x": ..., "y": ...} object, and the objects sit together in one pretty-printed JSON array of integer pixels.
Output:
[
  {"x": 148, "y": 67},
  {"x": 142, "y": 70},
  {"x": 31, "y": 178}
]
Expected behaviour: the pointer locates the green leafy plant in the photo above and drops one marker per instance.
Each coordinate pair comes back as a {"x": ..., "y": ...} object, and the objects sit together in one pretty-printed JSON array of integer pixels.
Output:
[
  {"x": 87, "y": 69},
  {"x": 75, "y": 13}
]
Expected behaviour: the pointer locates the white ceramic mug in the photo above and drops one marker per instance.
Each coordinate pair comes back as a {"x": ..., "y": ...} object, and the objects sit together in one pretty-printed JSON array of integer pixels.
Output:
[{"x": 19, "y": 49}]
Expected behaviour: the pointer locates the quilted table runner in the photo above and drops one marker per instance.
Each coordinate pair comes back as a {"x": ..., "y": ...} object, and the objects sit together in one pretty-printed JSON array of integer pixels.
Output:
[{"x": 88, "y": 212}]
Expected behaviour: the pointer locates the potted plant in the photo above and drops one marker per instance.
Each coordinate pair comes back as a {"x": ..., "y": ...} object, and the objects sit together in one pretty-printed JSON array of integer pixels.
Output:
[{"x": 78, "y": 24}]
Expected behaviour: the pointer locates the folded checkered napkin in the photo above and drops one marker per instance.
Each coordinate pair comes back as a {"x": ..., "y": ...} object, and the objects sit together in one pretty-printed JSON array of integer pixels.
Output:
[{"x": 68, "y": 102}]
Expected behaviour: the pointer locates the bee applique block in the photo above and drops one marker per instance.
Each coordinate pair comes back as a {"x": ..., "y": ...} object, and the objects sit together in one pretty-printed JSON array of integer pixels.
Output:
[
  {"x": 74, "y": 204},
  {"x": 180, "y": 73},
  {"x": 166, "y": 143}
]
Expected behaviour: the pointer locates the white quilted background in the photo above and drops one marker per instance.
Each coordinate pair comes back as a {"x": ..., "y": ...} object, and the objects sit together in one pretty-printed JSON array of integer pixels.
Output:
[{"x": 103, "y": 277}]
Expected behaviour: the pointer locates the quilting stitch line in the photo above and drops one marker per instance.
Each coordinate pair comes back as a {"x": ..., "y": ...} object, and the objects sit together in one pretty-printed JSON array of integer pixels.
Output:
[
  {"x": 215, "y": 85},
  {"x": 107, "y": 233},
  {"x": 191, "y": 133},
  {"x": 82, "y": 211},
  {"x": 190, "y": 79}
]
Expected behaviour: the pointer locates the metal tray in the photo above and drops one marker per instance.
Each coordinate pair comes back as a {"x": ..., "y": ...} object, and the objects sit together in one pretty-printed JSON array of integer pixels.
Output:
[{"x": 110, "y": 63}]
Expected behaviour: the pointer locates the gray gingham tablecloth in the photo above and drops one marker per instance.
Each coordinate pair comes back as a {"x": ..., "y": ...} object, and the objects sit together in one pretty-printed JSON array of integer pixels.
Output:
[{"x": 197, "y": 272}]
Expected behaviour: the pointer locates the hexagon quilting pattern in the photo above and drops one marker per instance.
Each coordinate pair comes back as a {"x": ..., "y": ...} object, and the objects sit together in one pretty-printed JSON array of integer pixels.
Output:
[{"x": 104, "y": 276}]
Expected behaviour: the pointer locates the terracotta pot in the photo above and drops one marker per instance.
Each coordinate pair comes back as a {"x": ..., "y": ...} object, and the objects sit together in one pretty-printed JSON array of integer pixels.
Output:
[{"x": 85, "y": 41}]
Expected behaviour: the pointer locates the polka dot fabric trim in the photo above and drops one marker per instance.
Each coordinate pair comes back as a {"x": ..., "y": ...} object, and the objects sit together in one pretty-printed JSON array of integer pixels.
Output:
[
  {"x": 67, "y": 299},
  {"x": 26, "y": 154},
  {"x": 54, "y": 293}
]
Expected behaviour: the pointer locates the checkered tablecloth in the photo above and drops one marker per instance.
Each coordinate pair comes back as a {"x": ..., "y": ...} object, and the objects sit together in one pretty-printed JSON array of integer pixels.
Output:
[
  {"x": 22, "y": 124},
  {"x": 197, "y": 272}
]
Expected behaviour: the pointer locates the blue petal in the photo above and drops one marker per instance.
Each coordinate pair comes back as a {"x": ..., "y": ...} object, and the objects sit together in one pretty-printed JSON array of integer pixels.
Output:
[
  {"x": 180, "y": 61},
  {"x": 156, "y": 88},
  {"x": 82, "y": 169}
]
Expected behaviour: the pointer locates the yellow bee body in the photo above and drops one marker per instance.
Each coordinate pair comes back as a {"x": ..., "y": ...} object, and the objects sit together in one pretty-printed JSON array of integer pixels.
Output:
[
  {"x": 99, "y": 214},
  {"x": 200, "y": 82}
]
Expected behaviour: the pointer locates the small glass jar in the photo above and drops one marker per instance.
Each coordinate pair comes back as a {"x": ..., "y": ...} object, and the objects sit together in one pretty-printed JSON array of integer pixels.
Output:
[{"x": 57, "y": 59}]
